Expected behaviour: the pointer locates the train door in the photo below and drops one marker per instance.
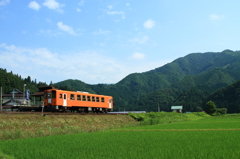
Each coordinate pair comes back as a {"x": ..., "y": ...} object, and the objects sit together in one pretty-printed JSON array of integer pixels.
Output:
[
  {"x": 49, "y": 95},
  {"x": 64, "y": 99},
  {"x": 110, "y": 103}
]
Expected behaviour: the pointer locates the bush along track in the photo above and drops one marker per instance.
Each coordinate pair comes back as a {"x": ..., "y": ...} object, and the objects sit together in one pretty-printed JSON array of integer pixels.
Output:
[{"x": 154, "y": 118}]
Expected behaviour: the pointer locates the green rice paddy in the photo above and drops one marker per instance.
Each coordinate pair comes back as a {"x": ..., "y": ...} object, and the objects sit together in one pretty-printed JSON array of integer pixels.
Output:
[{"x": 211, "y": 138}]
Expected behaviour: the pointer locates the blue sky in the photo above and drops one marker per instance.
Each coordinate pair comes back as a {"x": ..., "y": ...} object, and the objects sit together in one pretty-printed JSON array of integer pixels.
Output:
[{"x": 103, "y": 41}]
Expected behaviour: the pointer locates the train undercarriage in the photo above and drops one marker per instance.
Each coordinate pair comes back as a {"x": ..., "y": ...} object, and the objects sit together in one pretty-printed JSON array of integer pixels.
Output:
[{"x": 51, "y": 108}]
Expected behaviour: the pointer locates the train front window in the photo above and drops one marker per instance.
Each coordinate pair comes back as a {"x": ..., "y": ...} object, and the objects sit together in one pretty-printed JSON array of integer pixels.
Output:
[{"x": 49, "y": 95}]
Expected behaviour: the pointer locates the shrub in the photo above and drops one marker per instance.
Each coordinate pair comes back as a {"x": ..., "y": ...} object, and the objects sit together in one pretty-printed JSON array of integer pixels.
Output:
[
  {"x": 201, "y": 114},
  {"x": 211, "y": 108},
  {"x": 137, "y": 116},
  {"x": 154, "y": 118},
  {"x": 222, "y": 110}
]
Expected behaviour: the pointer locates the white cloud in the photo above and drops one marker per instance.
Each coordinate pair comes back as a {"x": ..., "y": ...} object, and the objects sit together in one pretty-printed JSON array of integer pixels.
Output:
[
  {"x": 66, "y": 28},
  {"x": 216, "y": 17},
  {"x": 4, "y": 2},
  {"x": 44, "y": 65},
  {"x": 48, "y": 32},
  {"x": 34, "y": 5},
  {"x": 140, "y": 40},
  {"x": 110, "y": 7},
  {"x": 79, "y": 10},
  {"x": 48, "y": 20},
  {"x": 102, "y": 44},
  {"x": 149, "y": 24},
  {"x": 117, "y": 13},
  {"x": 138, "y": 56},
  {"x": 52, "y": 4},
  {"x": 128, "y": 5},
  {"x": 81, "y": 3},
  {"x": 101, "y": 31}
]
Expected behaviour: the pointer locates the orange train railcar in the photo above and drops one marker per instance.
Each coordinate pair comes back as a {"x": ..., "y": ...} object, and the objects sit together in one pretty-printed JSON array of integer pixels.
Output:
[{"x": 61, "y": 100}]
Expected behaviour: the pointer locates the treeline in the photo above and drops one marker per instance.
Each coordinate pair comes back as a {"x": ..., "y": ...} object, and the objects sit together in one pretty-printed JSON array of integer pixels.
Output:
[{"x": 9, "y": 81}]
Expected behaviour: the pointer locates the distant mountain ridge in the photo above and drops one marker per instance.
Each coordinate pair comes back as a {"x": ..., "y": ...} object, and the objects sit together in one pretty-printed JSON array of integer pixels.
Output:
[{"x": 200, "y": 71}]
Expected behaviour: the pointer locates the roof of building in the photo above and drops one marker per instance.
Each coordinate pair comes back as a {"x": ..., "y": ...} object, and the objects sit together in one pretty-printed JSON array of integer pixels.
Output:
[
  {"x": 42, "y": 89},
  {"x": 38, "y": 94},
  {"x": 17, "y": 93},
  {"x": 176, "y": 107}
]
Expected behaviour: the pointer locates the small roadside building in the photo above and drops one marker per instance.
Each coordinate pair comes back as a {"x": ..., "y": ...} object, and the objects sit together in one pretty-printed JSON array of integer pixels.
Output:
[
  {"x": 177, "y": 109},
  {"x": 14, "y": 97}
]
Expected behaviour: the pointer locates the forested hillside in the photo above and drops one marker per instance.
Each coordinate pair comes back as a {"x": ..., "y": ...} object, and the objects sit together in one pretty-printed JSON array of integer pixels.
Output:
[
  {"x": 186, "y": 81},
  {"x": 227, "y": 97},
  {"x": 8, "y": 81}
]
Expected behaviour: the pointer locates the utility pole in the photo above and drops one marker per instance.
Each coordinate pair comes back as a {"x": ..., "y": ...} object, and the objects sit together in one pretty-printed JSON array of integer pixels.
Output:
[
  {"x": 158, "y": 107},
  {"x": 24, "y": 85},
  {"x": 1, "y": 99}
]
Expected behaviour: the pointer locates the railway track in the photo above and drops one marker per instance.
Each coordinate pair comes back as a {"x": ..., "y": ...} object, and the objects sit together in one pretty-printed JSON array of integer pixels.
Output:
[{"x": 57, "y": 113}]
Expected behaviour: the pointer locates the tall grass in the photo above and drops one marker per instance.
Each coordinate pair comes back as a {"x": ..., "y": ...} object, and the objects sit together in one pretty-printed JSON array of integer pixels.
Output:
[{"x": 23, "y": 126}]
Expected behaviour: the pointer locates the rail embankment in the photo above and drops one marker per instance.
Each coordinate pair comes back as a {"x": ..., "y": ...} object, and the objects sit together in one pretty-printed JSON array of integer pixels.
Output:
[{"x": 13, "y": 126}]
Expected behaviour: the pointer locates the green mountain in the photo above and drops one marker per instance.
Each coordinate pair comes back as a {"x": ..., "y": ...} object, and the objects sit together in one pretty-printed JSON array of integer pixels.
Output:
[{"x": 192, "y": 77}]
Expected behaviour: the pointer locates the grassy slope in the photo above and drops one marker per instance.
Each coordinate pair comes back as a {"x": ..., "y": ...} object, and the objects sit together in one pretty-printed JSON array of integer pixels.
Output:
[{"x": 22, "y": 126}]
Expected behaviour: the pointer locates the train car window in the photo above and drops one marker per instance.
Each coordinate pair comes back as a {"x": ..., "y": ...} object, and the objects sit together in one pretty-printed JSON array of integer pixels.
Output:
[
  {"x": 93, "y": 99},
  {"x": 78, "y": 97},
  {"x": 49, "y": 95},
  {"x": 84, "y": 98},
  {"x": 88, "y": 98},
  {"x": 102, "y": 99},
  {"x": 60, "y": 95},
  {"x": 72, "y": 96},
  {"x": 53, "y": 94},
  {"x": 97, "y": 99}
]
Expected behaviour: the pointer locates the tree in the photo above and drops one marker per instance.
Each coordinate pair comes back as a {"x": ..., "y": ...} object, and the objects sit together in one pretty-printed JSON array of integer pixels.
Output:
[{"x": 210, "y": 108}]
